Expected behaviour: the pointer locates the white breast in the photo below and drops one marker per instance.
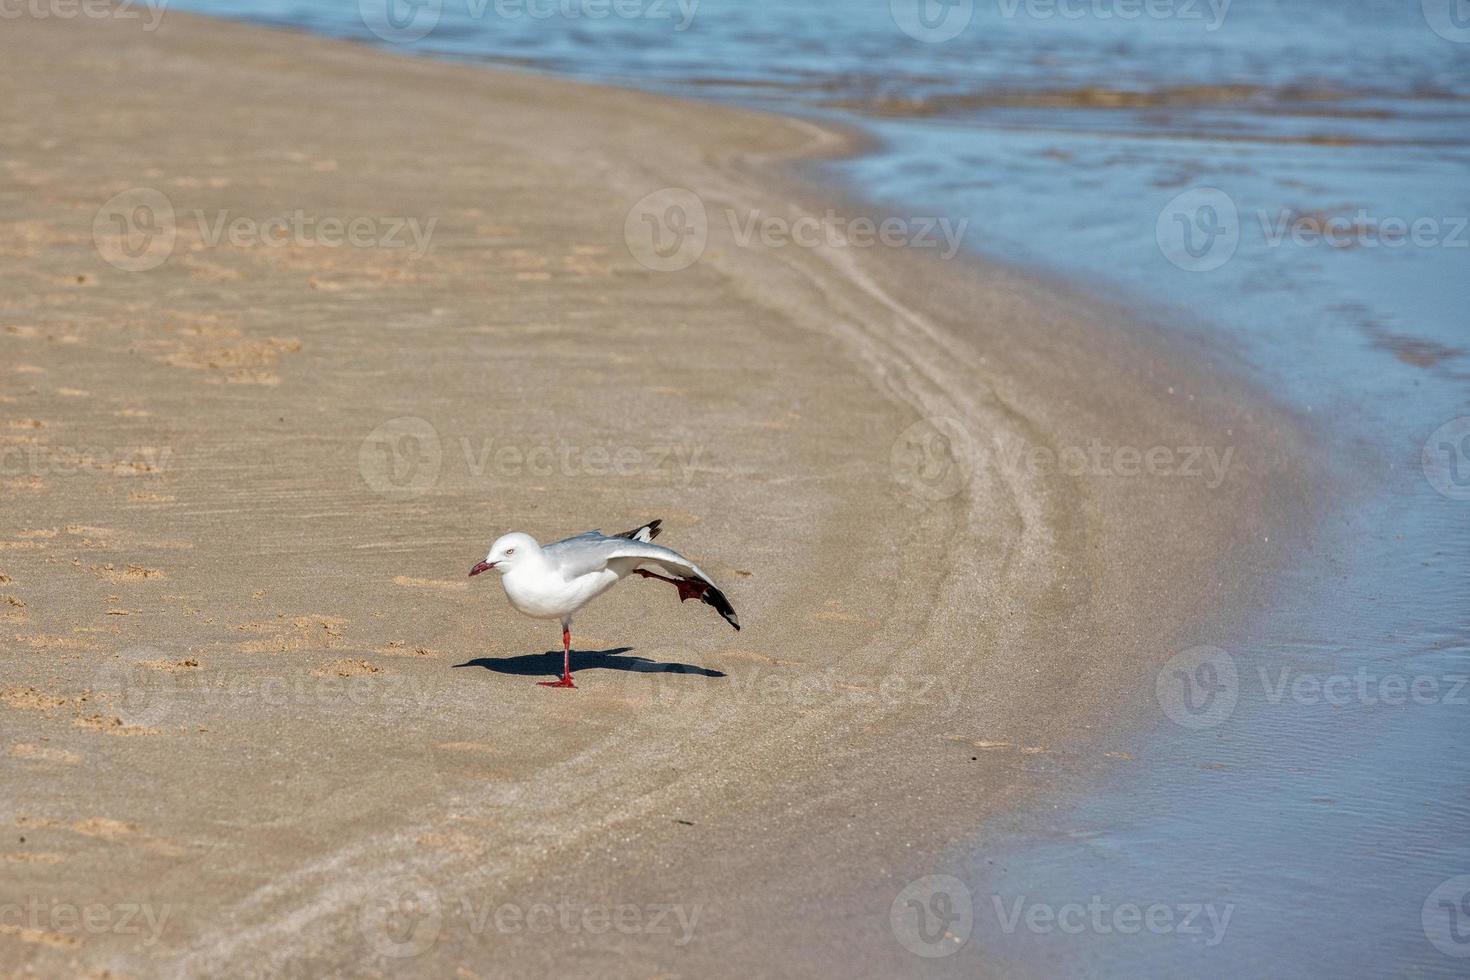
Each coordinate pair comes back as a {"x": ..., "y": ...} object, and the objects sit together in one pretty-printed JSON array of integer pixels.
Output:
[{"x": 544, "y": 594}]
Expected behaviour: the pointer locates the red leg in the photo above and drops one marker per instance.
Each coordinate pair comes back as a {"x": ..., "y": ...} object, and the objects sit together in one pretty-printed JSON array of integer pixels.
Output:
[
  {"x": 566, "y": 661},
  {"x": 688, "y": 588}
]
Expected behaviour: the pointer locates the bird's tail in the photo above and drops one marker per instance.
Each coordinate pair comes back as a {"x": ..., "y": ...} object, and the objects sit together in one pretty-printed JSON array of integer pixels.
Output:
[{"x": 647, "y": 532}]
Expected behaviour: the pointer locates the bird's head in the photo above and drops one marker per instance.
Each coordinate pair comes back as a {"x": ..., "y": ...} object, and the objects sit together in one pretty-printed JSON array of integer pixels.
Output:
[{"x": 507, "y": 550}]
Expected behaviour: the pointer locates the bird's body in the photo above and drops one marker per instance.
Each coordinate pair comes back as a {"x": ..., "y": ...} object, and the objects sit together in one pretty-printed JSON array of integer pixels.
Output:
[
  {"x": 554, "y": 581},
  {"x": 543, "y": 593}
]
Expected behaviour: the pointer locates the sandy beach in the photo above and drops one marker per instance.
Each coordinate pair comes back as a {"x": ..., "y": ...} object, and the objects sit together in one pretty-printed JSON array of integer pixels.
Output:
[{"x": 294, "y": 329}]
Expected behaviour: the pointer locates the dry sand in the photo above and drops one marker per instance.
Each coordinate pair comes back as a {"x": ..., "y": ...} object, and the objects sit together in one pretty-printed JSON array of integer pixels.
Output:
[{"x": 231, "y": 692}]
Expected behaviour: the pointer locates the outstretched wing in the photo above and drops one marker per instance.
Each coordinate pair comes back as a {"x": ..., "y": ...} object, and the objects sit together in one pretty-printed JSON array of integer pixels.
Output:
[
  {"x": 591, "y": 552},
  {"x": 643, "y": 532}
]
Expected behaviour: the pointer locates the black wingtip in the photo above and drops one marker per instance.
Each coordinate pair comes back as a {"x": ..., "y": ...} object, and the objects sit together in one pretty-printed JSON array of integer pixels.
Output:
[
  {"x": 652, "y": 527},
  {"x": 714, "y": 597}
]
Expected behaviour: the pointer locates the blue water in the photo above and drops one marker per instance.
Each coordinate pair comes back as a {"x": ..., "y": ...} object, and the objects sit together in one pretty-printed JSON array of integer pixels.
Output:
[{"x": 1163, "y": 157}]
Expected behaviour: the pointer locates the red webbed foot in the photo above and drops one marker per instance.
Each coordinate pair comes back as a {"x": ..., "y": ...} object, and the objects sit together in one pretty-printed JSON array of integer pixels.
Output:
[{"x": 688, "y": 588}]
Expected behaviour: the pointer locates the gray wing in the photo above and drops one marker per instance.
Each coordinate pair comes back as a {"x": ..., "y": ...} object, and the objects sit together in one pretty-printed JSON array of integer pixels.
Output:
[
  {"x": 643, "y": 532},
  {"x": 593, "y": 551},
  {"x": 584, "y": 536}
]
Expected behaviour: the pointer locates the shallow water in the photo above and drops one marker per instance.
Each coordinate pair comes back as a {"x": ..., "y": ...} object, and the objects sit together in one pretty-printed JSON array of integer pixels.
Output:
[{"x": 1293, "y": 177}]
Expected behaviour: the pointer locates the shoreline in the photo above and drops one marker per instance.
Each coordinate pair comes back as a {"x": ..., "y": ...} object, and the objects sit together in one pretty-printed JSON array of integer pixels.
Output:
[{"x": 493, "y": 786}]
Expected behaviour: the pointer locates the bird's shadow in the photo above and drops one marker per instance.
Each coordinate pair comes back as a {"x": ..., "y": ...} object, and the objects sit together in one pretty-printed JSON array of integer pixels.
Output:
[{"x": 549, "y": 663}]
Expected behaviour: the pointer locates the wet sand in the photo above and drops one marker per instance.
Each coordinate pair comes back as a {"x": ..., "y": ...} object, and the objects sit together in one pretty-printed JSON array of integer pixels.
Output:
[{"x": 248, "y": 692}]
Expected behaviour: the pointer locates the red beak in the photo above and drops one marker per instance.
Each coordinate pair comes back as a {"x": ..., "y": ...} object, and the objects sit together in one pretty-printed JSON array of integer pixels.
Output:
[{"x": 482, "y": 567}]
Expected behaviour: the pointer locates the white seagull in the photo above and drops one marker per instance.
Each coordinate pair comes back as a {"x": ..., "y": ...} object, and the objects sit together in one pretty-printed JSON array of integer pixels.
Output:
[{"x": 554, "y": 581}]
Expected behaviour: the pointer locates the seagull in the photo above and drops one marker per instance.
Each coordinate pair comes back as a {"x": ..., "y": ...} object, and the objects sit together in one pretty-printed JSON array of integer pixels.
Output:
[{"x": 554, "y": 581}]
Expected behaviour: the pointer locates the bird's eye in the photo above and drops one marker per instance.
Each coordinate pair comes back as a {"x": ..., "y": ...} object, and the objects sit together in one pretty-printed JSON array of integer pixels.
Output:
[{"x": 510, "y": 551}]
